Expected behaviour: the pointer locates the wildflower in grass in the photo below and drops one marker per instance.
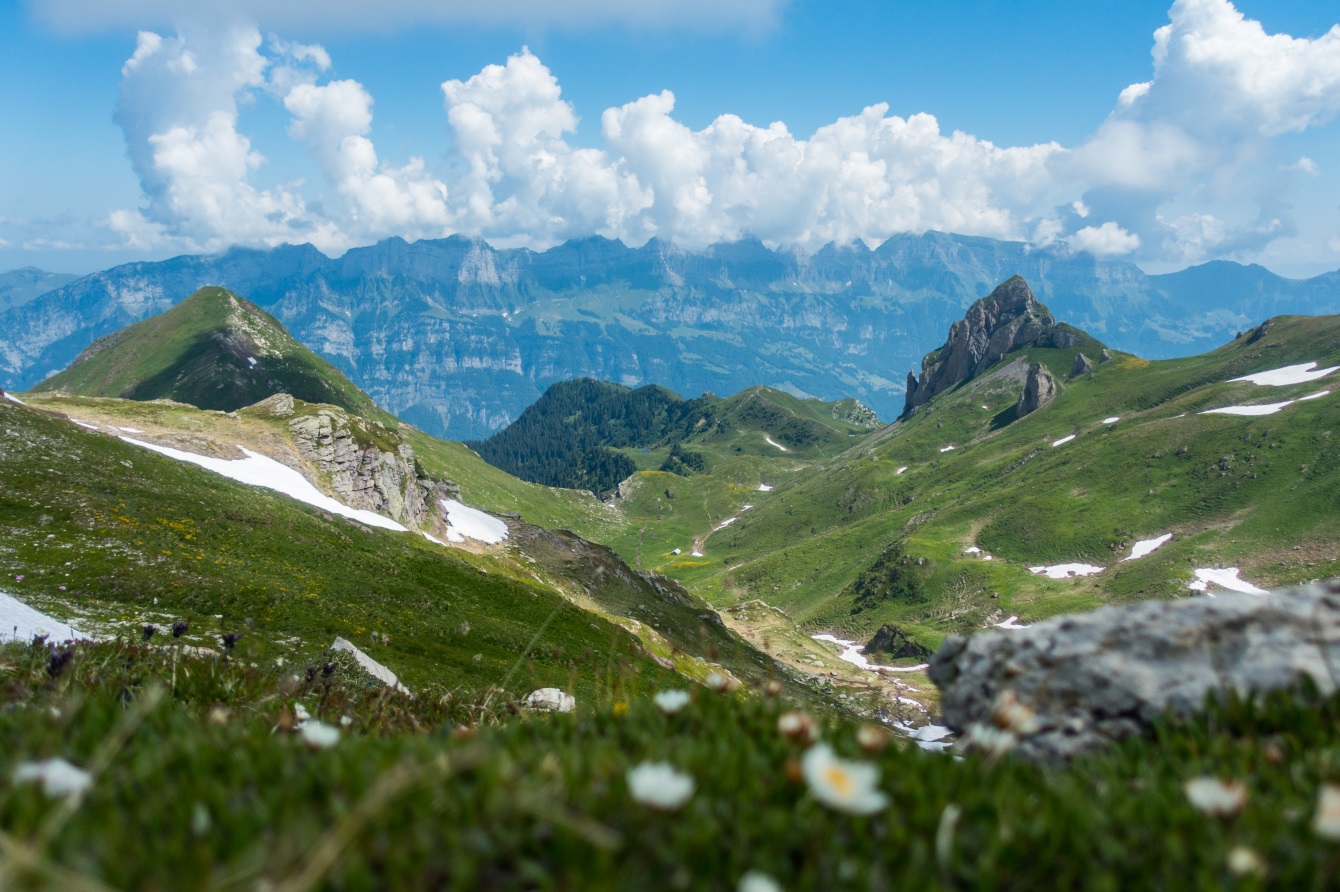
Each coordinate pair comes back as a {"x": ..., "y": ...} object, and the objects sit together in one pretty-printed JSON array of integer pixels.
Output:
[
  {"x": 842, "y": 785},
  {"x": 1212, "y": 796},
  {"x": 798, "y": 726},
  {"x": 56, "y": 776},
  {"x": 319, "y": 735},
  {"x": 659, "y": 785},
  {"x": 148, "y": 631},
  {"x": 671, "y": 702},
  {"x": 18, "y": 578},
  {"x": 1243, "y": 861},
  {"x": 721, "y": 682},
  {"x": 773, "y": 688},
  {"x": 989, "y": 740},
  {"x": 757, "y": 881},
  {"x": 621, "y": 708},
  {"x": 872, "y": 738},
  {"x": 180, "y": 627},
  {"x": 1326, "y": 822}
]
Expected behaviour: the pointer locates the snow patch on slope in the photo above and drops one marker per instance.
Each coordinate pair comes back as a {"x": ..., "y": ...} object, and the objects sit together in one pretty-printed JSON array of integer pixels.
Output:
[
  {"x": 19, "y": 622},
  {"x": 1289, "y": 374},
  {"x": 465, "y": 522},
  {"x": 265, "y": 472}
]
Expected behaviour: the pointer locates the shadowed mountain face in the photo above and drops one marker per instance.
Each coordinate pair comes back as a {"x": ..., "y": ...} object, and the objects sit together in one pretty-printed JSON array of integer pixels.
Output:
[
  {"x": 213, "y": 350},
  {"x": 457, "y": 337}
]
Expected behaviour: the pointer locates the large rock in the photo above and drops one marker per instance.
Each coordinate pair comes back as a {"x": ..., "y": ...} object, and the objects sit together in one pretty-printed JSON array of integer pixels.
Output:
[
  {"x": 1039, "y": 390},
  {"x": 893, "y": 642},
  {"x": 1075, "y": 683},
  {"x": 364, "y": 464},
  {"x": 1007, "y": 319},
  {"x": 1081, "y": 366}
]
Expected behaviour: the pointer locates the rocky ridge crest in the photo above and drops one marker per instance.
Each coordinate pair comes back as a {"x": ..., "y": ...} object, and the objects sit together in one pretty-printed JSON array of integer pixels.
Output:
[{"x": 1005, "y": 320}]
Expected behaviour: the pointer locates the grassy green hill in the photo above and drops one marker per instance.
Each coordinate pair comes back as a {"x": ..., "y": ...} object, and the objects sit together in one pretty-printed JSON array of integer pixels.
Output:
[
  {"x": 1255, "y": 493},
  {"x": 214, "y": 350},
  {"x": 588, "y": 434}
]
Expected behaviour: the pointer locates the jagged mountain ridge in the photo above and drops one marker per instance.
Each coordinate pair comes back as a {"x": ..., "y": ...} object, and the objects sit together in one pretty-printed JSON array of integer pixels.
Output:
[{"x": 458, "y": 337}]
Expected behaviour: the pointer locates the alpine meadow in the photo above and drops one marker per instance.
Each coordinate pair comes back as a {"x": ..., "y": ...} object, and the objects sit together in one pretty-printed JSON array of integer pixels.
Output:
[{"x": 758, "y": 446}]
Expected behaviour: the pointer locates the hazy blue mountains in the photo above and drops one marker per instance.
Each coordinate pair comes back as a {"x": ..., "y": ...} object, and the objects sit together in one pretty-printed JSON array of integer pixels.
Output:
[{"x": 458, "y": 337}]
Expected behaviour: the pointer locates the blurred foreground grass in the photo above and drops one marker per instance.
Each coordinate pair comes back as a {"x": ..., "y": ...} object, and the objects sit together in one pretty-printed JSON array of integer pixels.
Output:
[{"x": 200, "y": 779}]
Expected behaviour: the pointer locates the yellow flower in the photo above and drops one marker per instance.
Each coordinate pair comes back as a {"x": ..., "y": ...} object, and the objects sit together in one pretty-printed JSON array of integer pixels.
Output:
[{"x": 621, "y": 708}]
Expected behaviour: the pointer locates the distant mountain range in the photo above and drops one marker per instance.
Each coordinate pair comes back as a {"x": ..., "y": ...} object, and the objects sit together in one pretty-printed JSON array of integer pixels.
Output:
[{"x": 458, "y": 337}]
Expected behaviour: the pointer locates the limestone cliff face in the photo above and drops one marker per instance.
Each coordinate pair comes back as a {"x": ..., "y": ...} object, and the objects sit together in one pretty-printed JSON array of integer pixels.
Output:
[
  {"x": 1039, "y": 390},
  {"x": 363, "y": 463},
  {"x": 1007, "y": 319}
]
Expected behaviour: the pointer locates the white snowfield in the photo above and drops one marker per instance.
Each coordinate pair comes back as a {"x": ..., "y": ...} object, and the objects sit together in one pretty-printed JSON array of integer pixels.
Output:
[
  {"x": 13, "y": 398},
  {"x": 1062, "y": 441},
  {"x": 91, "y": 427},
  {"x": 1289, "y": 374},
  {"x": 466, "y": 522},
  {"x": 265, "y": 472},
  {"x": 371, "y": 666},
  {"x": 19, "y": 622},
  {"x": 763, "y": 487},
  {"x": 1113, "y": 419},
  {"x": 772, "y": 442},
  {"x": 1226, "y": 577},
  {"x": 852, "y": 653},
  {"x": 1011, "y": 623},
  {"x": 696, "y": 553},
  {"x": 725, "y": 523},
  {"x": 901, "y": 470},
  {"x": 1264, "y": 409},
  {"x": 130, "y": 430},
  {"x": 948, "y": 448},
  {"x": 972, "y": 549},
  {"x": 1063, "y": 571},
  {"x": 1146, "y": 546}
]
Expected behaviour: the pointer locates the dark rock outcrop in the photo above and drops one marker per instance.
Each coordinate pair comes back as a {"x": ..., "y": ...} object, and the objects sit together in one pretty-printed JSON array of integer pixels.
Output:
[
  {"x": 1081, "y": 366},
  {"x": 893, "y": 642},
  {"x": 1105, "y": 356},
  {"x": 1075, "y": 683},
  {"x": 1007, "y": 319},
  {"x": 1039, "y": 390}
]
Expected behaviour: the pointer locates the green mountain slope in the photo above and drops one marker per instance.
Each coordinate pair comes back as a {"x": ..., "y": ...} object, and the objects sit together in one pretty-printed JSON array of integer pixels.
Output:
[
  {"x": 121, "y": 536},
  {"x": 588, "y": 434},
  {"x": 1062, "y": 485},
  {"x": 214, "y": 350}
]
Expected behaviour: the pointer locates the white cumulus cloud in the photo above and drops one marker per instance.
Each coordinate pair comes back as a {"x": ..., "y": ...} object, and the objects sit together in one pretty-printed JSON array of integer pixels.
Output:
[
  {"x": 1106, "y": 240},
  {"x": 1184, "y": 168}
]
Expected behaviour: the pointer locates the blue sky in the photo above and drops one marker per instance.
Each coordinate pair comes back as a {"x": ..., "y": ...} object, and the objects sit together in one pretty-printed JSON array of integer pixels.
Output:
[{"x": 259, "y": 122}]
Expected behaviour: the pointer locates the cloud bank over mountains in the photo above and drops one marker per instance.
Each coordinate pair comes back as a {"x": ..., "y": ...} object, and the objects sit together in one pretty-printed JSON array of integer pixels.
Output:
[{"x": 1187, "y": 165}]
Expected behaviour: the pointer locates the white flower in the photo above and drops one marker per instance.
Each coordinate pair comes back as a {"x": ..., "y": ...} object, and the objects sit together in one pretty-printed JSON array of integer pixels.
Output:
[
  {"x": 1243, "y": 861},
  {"x": 721, "y": 682},
  {"x": 659, "y": 785},
  {"x": 671, "y": 702},
  {"x": 1216, "y": 797},
  {"x": 992, "y": 741},
  {"x": 319, "y": 735},
  {"x": 798, "y": 726},
  {"x": 1326, "y": 822},
  {"x": 842, "y": 785},
  {"x": 345, "y": 721},
  {"x": 57, "y": 777},
  {"x": 300, "y": 713},
  {"x": 756, "y": 881}
]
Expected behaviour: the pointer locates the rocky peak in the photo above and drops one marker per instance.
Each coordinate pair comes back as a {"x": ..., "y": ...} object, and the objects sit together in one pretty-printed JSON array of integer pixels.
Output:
[{"x": 1005, "y": 320}]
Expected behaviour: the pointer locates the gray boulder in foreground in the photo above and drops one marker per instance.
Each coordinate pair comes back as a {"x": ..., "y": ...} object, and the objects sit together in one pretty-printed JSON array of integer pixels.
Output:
[{"x": 1075, "y": 683}]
